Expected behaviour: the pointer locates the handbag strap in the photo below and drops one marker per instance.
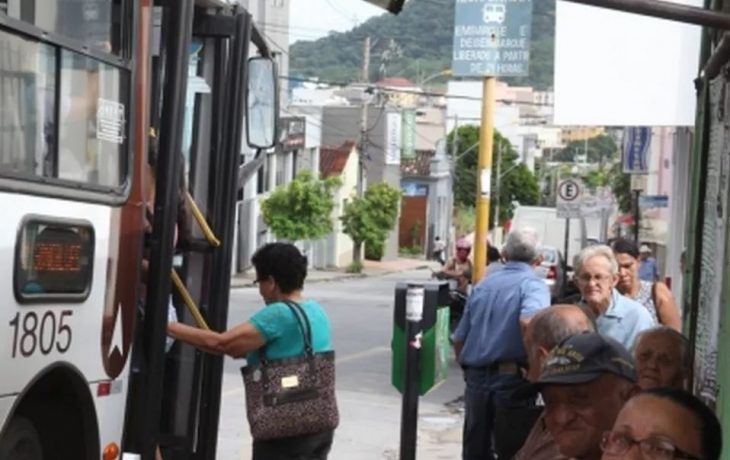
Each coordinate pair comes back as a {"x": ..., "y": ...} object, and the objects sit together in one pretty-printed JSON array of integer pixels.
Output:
[
  {"x": 305, "y": 328},
  {"x": 303, "y": 322},
  {"x": 656, "y": 305}
]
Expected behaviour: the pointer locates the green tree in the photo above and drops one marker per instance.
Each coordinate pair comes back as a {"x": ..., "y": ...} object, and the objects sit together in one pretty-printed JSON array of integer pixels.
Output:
[
  {"x": 301, "y": 209},
  {"x": 621, "y": 185},
  {"x": 368, "y": 220},
  {"x": 597, "y": 178},
  {"x": 517, "y": 182},
  {"x": 601, "y": 149}
]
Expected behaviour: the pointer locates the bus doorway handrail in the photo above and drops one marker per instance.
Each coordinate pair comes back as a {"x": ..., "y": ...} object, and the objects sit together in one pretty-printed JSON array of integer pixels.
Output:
[
  {"x": 188, "y": 300},
  {"x": 202, "y": 223}
]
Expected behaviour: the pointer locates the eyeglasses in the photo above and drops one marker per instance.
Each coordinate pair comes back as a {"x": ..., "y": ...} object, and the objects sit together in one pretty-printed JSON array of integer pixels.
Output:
[
  {"x": 600, "y": 279},
  {"x": 653, "y": 448}
]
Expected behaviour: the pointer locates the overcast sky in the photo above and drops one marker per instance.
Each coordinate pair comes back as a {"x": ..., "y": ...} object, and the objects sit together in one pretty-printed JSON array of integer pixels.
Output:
[{"x": 312, "y": 19}]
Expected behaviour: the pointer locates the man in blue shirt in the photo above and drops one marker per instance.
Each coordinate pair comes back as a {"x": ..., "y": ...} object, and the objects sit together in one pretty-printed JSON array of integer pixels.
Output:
[
  {"x": 488, "y": 341},
  {"x": 648, "y": 270}
]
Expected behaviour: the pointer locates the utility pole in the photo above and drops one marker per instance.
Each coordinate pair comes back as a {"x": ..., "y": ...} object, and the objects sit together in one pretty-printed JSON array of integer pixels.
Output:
[
  {"x": 363, "y": 118},
  {"x": 357, "y": 247},
  {"x": 497, "y": 187},
  {"x": 484, "y": 178},
  {"x": 454, "y": 159},
  {"x": 455, "y": 140}
]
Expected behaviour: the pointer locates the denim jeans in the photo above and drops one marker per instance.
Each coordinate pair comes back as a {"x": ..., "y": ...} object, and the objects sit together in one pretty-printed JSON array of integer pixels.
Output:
[{"x": 485, "y": 392}]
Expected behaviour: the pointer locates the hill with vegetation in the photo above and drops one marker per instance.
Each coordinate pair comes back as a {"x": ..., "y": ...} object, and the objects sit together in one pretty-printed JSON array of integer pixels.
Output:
[{"x": 415, "y": 44}]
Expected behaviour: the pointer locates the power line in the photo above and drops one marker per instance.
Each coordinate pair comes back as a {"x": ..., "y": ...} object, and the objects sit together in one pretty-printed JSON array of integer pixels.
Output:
[
  {"x": 320, "y": 126},
  {"x": 354, "y": 34},
  {"x": 341, "y": 13},
  {"x": 409, "y": 91},
  {"x": 339, "y": 131},
  {"x": 274, "y": 43},
  {"x": 377, "y": 120},
  {"x": 282, "y": 25}
]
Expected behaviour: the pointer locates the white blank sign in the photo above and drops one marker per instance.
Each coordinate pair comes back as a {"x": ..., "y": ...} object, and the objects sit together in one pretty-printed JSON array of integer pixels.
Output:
[{"x": 621, "y": 69}]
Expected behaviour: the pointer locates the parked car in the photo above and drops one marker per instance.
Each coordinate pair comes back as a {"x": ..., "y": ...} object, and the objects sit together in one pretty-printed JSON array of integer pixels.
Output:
[{"x": 552, "y": 271}]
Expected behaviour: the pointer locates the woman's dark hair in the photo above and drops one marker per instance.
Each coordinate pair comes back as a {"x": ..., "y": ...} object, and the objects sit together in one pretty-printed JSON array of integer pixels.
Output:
[
  {"x": 284, "y": 263},
  {"x": 493, "y": 254},
  {"x": 624, "y": 246},
  {"x": 709, "y": 425}
]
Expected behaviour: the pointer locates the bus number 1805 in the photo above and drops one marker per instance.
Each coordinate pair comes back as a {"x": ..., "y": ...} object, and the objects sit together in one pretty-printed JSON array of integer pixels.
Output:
[{"x": 35, "y": 332}]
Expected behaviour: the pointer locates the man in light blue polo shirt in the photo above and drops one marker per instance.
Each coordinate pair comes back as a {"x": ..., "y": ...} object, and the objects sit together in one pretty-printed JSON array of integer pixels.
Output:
[
  {"x": 616, "y": 316},
  {"x": 488, "y": 340}
]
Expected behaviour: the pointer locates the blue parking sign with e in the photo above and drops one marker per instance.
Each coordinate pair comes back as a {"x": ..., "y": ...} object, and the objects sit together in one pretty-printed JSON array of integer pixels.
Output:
[{"x": 637, "y": 141}]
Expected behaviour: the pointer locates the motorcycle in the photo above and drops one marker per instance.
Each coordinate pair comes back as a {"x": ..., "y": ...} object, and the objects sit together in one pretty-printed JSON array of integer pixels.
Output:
[{"x": 458, "y": 300}]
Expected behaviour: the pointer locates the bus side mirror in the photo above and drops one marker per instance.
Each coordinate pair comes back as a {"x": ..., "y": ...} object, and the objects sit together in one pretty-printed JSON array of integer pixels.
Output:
[{"x": 262, "y": 103}]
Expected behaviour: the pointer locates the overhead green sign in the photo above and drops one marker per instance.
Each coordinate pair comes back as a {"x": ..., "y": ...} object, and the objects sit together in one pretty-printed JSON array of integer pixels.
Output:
[{"x": 408, "y": 144}]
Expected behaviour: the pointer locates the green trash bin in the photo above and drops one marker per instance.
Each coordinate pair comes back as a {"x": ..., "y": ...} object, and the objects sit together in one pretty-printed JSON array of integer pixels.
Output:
[{"x": 435, "y": 347}]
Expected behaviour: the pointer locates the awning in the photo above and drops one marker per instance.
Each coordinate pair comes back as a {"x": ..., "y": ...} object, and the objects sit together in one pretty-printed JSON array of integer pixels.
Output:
[{"x": 394, "y": 6}]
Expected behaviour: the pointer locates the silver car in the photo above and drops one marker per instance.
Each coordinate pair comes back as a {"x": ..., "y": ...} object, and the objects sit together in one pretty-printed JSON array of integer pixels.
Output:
[{"x": 552, "y": 271}]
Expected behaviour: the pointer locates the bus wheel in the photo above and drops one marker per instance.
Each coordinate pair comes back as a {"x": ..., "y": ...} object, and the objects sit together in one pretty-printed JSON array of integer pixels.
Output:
[{"x": 20, "y": 441}]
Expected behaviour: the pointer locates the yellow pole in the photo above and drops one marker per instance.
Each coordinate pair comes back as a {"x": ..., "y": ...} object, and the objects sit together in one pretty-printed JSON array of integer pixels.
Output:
[{"x": 484, "y": 178}]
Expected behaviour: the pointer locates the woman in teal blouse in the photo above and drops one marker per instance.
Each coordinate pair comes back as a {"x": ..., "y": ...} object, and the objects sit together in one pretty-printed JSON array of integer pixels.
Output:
[{"x": 280, "y": 273}]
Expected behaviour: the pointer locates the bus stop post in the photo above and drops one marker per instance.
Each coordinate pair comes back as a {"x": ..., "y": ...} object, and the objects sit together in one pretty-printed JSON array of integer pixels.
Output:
[
  {"x": 421, "y": 350},
  {"x": 409, "y": 410}
]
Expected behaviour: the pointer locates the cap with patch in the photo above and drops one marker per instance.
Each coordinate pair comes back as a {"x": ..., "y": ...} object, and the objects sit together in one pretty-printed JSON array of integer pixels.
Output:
[
  {"x": 583, "y": 358},
  {"x": 644, "y": 248}
]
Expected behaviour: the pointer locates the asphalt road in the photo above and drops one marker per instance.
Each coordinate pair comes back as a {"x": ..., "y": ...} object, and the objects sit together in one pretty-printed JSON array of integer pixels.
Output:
[{"x": 361, "y": 313}]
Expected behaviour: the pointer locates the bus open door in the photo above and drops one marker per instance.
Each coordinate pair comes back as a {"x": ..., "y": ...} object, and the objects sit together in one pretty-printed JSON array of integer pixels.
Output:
[{"x": 211, "y": 88}]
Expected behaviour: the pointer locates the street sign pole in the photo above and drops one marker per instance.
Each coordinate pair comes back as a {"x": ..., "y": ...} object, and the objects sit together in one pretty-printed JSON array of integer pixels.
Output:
[
  {"x": 486, "y": 145},
  {"x": 491, "y": 40},
  {"x": 637, "y": 215},
  {"x": 565, "y": 253}
]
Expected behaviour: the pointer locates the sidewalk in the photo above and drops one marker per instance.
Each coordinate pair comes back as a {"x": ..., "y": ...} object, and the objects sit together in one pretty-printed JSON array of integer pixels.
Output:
[{"x": 370, "y": 268}]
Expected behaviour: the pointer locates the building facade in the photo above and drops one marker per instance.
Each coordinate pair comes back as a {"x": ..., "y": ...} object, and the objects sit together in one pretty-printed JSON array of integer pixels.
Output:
[{"x": 381, "y": 150}]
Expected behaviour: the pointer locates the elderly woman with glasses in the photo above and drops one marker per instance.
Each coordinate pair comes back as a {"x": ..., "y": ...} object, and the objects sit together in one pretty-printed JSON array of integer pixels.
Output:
[
  {"x": 616, "y": 316},
  {"x": 664, "y": 424}
]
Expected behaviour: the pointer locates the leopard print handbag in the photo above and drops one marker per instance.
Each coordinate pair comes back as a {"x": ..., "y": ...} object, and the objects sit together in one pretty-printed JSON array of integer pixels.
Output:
[{"x": 292, "y": 396}]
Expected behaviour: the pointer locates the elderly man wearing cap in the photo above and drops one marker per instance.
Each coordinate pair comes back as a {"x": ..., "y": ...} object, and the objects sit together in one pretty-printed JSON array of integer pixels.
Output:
[
  {"x": 648, "y": 270},
  {"x": 584, "y": 383},
  {"x": 546, "y": 330}
]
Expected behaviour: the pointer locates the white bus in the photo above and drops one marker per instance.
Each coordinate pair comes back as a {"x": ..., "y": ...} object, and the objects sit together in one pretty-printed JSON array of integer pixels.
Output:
[{"x": 92, "y": 96}]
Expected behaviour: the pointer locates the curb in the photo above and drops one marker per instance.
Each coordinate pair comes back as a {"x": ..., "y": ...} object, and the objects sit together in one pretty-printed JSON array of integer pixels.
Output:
[
  {"x": 348, "y": 276},
  {"x": 249, "y": 284}
]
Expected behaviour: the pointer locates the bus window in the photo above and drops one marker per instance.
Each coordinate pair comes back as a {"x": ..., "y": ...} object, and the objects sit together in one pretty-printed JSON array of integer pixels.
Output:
[
  {"x": 27, "y": 81},
  {"x": 92, "y": 139},
  {"x": 89, "y": 22}
]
